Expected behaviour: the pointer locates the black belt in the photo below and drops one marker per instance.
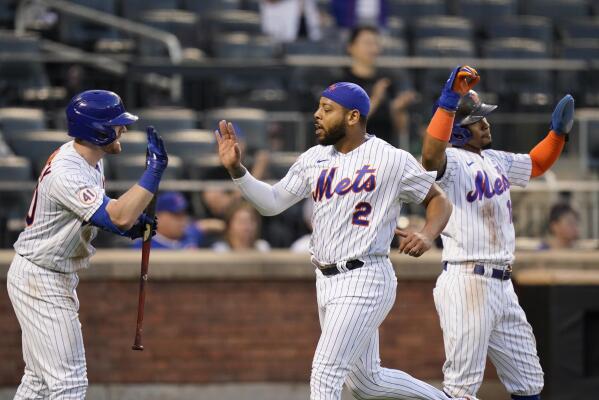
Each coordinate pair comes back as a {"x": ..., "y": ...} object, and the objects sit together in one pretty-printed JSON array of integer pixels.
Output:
[
  {"x": 333, "y": 269},
  {"x": 479, "y": 269}
]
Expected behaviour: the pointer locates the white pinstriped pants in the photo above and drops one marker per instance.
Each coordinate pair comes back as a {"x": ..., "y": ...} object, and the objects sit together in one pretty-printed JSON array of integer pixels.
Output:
[
  {"x": 481, "y": 315},
  {"x": 351, "y": 307},
  {"x": 46, "y": 306}
]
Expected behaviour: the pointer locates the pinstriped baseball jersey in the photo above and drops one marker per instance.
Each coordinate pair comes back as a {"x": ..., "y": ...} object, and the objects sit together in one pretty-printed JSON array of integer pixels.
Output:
[
  {"x": 357, "y": 196},
  {"x": 480, "y": 227},
  {"x": 68, "y": 193}
]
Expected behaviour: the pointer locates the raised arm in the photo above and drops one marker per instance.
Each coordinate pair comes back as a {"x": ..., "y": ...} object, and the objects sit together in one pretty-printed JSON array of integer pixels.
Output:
[
  {"x": 438, "y": 133},
  {"x": 544, "y": 154},
  {"x": 268, "y": 200}
]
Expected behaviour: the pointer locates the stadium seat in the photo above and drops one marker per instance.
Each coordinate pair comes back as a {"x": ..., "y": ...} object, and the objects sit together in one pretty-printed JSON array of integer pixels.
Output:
[
  {"x": 442, "y": 26},
  {"x": 526, "y": 87},
  {"x": 192, "y": 143},
  {"x": 483, "y": 11},
  {"x": 279, "y": 164},
  {"x": 16, "y": 121},
  {"x": 243, "y": 46},
  {"x": 250, "y": 123},
  {"x": 430, "y": 79},
  {"x": 309, "y": 47},
  {"x": 38, "y": 146},
  {"x": 225, "y": 21},
  {"x": 584, "y": 85},
  {"x": 182, "y": 24},
  {"x": 13, "y": 204},
  {"x": 131, "y": 168},
  {"x": 408, "y": 9},
  {"x": 12, "y": 43},
  {"x": 521, "y": 26},
  {"x": 394, "y": 47},
  {"x": 85, "y": 33},
  {"x": 166, "y": 120},
  {"x": 580, "y": 28},
  {"x": 205, "y": 6},
  {"x": 135, "y": 9},
  {"x": 205, "y": 168},
  {"x": 7, "y": 13},
  {"x": 556, "y": 9},
  {"x": 134, "y": 143},
  {"x": 396, "y": 27}
]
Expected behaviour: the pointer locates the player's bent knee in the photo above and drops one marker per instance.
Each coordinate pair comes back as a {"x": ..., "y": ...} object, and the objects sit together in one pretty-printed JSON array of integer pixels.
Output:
[{"x": 70, "y": 388}]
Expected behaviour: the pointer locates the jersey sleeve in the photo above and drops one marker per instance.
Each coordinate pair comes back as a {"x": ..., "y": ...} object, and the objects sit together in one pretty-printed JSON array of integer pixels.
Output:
[
  {"x": 451, "y": 168},
  {"x": 77, "y": 194},
  {"x": 517, "y": 166},
  {"x": 296, "y": 181},
  {"x": 415, "y": 181}
]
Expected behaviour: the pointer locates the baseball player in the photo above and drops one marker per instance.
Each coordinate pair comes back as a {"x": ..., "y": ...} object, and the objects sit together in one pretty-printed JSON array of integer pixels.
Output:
[
  {"x": 68, "y": 207},
  {"x": 474, "y": 296},
  {"x": 358, "y": 184}
]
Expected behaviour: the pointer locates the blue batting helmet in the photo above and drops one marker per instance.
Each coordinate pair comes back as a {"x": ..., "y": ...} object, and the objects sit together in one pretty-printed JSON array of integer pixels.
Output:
[
  {"x": 93, "y": 114},
  {"x": 470, "y": 110}
]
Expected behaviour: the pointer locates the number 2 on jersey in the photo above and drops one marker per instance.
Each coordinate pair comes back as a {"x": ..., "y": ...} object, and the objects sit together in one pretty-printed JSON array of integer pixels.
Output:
[{"x": 363, "y": 210}]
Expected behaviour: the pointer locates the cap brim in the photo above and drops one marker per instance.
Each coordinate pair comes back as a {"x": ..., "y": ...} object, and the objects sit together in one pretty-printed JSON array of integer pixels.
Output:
[
  {"x": 478, "y": 113},
  {"x": 123, "y": 119}
]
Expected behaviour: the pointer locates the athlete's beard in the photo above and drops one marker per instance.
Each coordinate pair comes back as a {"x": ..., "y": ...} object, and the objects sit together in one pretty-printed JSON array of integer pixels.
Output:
[{"x": 335, "y": 134}]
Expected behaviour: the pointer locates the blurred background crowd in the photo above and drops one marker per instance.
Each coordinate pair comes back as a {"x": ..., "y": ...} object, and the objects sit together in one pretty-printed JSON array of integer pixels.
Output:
[{"x": 182, "y": 65}]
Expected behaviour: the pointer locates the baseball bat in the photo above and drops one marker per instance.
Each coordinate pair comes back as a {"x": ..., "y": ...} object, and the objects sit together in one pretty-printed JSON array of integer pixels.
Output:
[{"x": 143, "y": 277}]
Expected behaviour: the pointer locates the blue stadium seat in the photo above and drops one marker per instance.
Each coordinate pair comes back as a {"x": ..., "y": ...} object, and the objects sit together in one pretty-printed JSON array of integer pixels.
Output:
[
  {"x": 521, "y": 26},
  {"x": 442, "y": 25},
  {"x": 135, "y": 9},
  {"x": 580, "y": 28},
  {"x": 85, "y": 33},
  {"x": 134, "y": 143},
  {"x": 166, "y": 119},
  {"x": 528, "y": 88},
  {"x": 556, "y": 9},
  {"x": 431, "y": 79},
  {"x": 7, "y": 13},
  {"x": 192, "y": 143},
  {"x": 131, "y": 168},
  {"x": 309, "y": 47},
  {"x": 225, "y": 21},
  {"x": 584, "y": 85},
  {"x": 14, "y": 204},
  {"x": 394, "y": 47},
  {"x": 396, "y": 27},
  {"x": 251, "y": 123},
  {"x": 183, "y": 24},
  {"x": 205, "y": 6},
  {"x": 12, "y": 43},
  {"x": 38, "y": 146},
  {"x": 16, "y": 121},
  {"x": 243, "y": 46},
  {"x": 483, "y": 11},
  {"x": 408, "y": 9}
]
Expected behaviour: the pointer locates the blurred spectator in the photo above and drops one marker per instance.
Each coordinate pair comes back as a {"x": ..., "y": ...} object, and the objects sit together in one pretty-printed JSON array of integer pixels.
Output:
[
  {"x": 176, "y": 230},
  {"x": 352, "y": 13},
  {"x": 302, "y": 245},
  {"x": 390, "y": 94},
  {"x": 562, "y": 227},
  {"x": 286, "y": 20},
  {"x": 242, "y": 230}
]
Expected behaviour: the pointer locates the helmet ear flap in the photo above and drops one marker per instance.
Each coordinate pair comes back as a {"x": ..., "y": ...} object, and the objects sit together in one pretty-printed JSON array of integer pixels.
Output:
[{"x": 460, "y": 135}]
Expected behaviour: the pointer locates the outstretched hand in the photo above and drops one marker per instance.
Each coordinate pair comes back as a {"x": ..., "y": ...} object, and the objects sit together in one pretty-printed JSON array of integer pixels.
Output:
[
  {"x": 157, "y": 159},
  {"x": 562, "y": 118},
  {"x": 229, "y": 152},
  {"x": 413, "y": 244}
]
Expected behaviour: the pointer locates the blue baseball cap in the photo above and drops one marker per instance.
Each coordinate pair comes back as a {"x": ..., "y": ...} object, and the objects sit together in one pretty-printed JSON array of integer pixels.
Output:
[
  {"x": 349, "y": 95},
  {"x": 173, "y": 202}
]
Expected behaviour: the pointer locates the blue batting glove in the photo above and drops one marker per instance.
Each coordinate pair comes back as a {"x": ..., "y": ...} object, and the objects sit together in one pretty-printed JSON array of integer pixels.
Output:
[
  {"x": 449, "y": 99},
  {"x": 138, "y": 229},
  {"x": 157, "y": 161},
  {"x": 562, "y": 118}
]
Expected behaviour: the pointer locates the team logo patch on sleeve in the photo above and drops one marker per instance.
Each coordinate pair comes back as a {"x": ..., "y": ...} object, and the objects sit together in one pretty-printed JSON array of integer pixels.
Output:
[{"x": 87, "y": 196}]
